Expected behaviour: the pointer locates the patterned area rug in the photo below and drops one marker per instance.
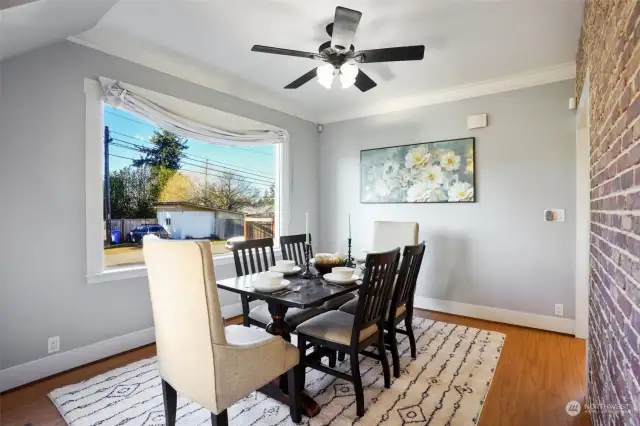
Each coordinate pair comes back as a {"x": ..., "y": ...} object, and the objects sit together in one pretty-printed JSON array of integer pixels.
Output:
[{"x": 446, "y": 385}]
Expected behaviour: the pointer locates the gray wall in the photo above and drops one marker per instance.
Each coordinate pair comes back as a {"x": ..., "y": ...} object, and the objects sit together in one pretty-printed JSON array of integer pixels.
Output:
[
  {"x": 497, "y": 252},
  {"x": 43, "y": 290}
]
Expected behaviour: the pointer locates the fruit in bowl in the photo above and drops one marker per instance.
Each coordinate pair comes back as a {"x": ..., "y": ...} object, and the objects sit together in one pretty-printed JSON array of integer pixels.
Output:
[{"x": 324, "y": 262}]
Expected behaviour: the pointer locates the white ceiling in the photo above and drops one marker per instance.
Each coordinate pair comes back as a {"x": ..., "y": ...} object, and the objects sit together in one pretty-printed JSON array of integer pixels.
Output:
[
  {"x": 467, "y": 42},
  {"x": 29, "y": 24}
]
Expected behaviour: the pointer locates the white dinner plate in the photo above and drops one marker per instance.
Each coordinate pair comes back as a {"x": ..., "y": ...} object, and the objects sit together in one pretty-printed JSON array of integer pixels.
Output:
[
  {"x": 336, "y": 280},
  {"x": 271, "y": 288},
  {"x": 295, "y": 270}
]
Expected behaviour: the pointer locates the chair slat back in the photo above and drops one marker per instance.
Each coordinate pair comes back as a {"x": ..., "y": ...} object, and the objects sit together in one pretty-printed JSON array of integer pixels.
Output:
[
  {"x": 293, "y": 247},
  {"x": 374, "y": 293},
  {"x": 253, "y": 256},
  {"x": 405, "y": 285}
]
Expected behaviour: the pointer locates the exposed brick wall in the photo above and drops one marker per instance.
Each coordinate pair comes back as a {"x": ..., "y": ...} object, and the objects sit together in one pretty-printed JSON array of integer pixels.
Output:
[{"x": 610, "y": 52}]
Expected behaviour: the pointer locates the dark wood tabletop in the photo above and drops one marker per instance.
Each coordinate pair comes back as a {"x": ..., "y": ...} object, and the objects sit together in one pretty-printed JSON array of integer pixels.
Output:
[{"x": 313, "y": 292}]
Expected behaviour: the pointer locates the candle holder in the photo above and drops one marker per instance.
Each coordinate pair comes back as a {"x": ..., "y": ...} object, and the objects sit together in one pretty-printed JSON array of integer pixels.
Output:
[
  {"x": 307, "y": 266},
  {"x": 350, "y": 263}
]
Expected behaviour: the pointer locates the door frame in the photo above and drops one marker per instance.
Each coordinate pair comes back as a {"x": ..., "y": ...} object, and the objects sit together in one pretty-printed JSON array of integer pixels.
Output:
[{"x": 583, "y": 213}]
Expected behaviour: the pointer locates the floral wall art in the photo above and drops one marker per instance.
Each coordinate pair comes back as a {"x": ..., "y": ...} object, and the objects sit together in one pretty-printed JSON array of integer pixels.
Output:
[{"x": 430, "y": 172}]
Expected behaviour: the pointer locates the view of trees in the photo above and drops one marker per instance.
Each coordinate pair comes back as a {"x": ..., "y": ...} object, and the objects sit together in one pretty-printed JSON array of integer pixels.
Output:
[{"x": 156, "y": 177}]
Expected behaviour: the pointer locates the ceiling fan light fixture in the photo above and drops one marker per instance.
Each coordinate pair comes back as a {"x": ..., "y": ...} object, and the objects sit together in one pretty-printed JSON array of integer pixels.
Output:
[
  {"x": 348, "y": 73},
  {"x": 325, "y": 75}
]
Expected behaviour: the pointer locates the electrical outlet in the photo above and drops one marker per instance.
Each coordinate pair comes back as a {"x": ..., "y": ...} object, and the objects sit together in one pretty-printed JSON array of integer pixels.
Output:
[
  {"x": 559, "y": 310},
  {"x": 54, "y": 344}
]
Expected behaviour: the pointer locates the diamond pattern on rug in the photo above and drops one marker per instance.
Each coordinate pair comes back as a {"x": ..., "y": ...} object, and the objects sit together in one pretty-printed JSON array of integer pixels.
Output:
[
  {"x": 155, "y": 418},
  {"x": 122, "y": 391},
  {"x": 447, "y": 384},
  {"x": 412, "y": 414}
]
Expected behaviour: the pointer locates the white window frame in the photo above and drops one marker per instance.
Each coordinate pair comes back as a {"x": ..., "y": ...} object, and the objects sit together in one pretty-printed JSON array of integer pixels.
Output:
[{"x": 94, "y": 170}]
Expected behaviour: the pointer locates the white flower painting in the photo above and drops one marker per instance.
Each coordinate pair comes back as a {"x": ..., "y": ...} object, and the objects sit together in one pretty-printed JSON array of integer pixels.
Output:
[{"x": 434, "y": 172}]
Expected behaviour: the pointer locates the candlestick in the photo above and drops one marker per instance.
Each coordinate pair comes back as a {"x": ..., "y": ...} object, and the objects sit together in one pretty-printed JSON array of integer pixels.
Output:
[
  {"x": 349, "y": 263},
  {"x": 307, "y": 266}
]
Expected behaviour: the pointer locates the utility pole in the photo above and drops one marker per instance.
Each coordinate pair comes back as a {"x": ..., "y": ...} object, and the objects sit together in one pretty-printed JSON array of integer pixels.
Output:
[
  {"x": 206, "y": 180},
  {"x": 107, "y": 185}
]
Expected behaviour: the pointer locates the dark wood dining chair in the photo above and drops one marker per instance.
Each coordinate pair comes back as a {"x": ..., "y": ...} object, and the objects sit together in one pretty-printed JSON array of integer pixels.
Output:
[
  {"x": 401, "y": 309},
  {"x": 342, "y": 332},
  {"x": 401, "y": 305},
  {"x": 252, "y": 250},
  {"x": 255, "y": 256},
  {"x": 293, "y": 249}
]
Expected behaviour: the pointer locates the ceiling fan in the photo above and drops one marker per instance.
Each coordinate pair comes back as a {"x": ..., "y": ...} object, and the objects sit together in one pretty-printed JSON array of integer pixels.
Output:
[{"x": 340, "y": 56}]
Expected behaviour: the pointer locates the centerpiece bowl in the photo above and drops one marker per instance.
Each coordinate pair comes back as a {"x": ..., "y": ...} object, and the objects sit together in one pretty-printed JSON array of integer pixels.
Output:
[{"x": 324, "y": 262}]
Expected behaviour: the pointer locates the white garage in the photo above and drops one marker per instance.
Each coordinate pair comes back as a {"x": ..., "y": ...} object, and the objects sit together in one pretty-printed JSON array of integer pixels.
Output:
[{"x": 185, "y": 221}]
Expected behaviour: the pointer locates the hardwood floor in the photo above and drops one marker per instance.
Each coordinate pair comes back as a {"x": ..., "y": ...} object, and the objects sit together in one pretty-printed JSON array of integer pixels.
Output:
[{"x": 538, "y": 373}]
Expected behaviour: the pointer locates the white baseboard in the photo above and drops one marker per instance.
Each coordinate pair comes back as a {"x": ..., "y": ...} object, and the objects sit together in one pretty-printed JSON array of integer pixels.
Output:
[
  {"x": 35, "y": 370},
  {"x": 39, "y": 369},
  {"x": 542, "y": 322}
]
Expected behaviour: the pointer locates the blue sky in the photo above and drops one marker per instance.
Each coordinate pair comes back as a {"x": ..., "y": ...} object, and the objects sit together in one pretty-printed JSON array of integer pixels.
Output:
[{"x": 257, "y": 163}]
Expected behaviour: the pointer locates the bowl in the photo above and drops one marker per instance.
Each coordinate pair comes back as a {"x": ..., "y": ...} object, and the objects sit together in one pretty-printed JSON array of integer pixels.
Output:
[
  {"x": 325, "y": 268},
  {"x": 270, "y": 278},
  {"x": 285, "y": 265},
  {"x": 342, "y": 272}
]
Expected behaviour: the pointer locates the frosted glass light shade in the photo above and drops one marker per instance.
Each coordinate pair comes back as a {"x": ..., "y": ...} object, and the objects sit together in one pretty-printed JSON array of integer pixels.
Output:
[
  {"x": 325, "y": 75},
  {"x": 348, "y": 73}
]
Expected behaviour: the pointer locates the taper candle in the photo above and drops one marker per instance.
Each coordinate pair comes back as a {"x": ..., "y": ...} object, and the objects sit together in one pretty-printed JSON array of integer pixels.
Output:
[
  {"x": 306, "y": 227},
  {"x": 349, "y": 225}
]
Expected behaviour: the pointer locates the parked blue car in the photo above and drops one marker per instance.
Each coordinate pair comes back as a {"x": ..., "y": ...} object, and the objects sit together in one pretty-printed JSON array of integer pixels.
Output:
[{"x": 136, "y": 235}]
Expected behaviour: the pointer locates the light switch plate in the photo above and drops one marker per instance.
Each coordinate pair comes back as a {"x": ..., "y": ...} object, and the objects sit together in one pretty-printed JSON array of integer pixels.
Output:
[
  {"x": 476, "y": 121},
  {"x": 554, "y": 215}
]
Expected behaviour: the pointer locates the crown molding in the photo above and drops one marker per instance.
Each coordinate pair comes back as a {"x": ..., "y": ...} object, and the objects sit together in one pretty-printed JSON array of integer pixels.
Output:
[
  {"x": 504, "y": 84},
  {"x": 197, "y": 72},
  {"x": 174, "y": 64}
]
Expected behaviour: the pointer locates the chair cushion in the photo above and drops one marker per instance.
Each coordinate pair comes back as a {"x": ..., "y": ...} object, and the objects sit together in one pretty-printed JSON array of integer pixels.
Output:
[
  {"x": 334, "y": 326},
  {"x": 293, "y": 317},
  {"x": 238, "y": 335},
  {"x": 351, "y": 307},
  {"x": 335, "y": 303}
]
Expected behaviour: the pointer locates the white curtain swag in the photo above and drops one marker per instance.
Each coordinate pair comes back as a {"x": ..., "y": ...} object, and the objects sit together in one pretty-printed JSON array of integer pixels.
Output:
[{"x": 126, "y": 98}]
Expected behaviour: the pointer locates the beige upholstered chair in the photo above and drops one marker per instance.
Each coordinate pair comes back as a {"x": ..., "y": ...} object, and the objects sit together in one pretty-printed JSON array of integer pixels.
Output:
[
  {"x": 389, "y": 235},
  {"x": 213, "y": 365}
]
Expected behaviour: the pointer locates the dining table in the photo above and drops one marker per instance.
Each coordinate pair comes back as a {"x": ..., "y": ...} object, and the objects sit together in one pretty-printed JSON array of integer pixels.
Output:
[{"x": 301, "y": 293}]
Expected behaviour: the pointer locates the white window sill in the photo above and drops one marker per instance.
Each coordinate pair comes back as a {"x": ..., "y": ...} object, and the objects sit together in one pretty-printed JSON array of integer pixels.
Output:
[{"x": 140, "y": 271}]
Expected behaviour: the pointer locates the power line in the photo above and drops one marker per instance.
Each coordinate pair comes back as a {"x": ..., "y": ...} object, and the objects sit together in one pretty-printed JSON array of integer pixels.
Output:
[
  {"x": 156, "y": 128},
  {"x": 207, "y": 174},
  {"x": 139, "y": 148},
  {"x": 231, "y": 166},
  {"x": 194, "y": 171}
]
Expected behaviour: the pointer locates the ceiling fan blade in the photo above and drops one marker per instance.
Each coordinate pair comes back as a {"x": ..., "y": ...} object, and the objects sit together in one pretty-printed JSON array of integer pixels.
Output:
[
  {"x": 345, "y": 25},
  {"x": 364, "y": 82},
  {"x": 302, "y": 80},
  {"x": 286, "y": 52},
  {"x": 391, "y": 54}
]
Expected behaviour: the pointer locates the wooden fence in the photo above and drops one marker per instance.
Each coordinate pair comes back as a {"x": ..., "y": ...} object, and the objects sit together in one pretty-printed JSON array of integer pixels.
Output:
[
  {"x": 258, "y": 227},
  {"x": 125, "y": 226}
]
